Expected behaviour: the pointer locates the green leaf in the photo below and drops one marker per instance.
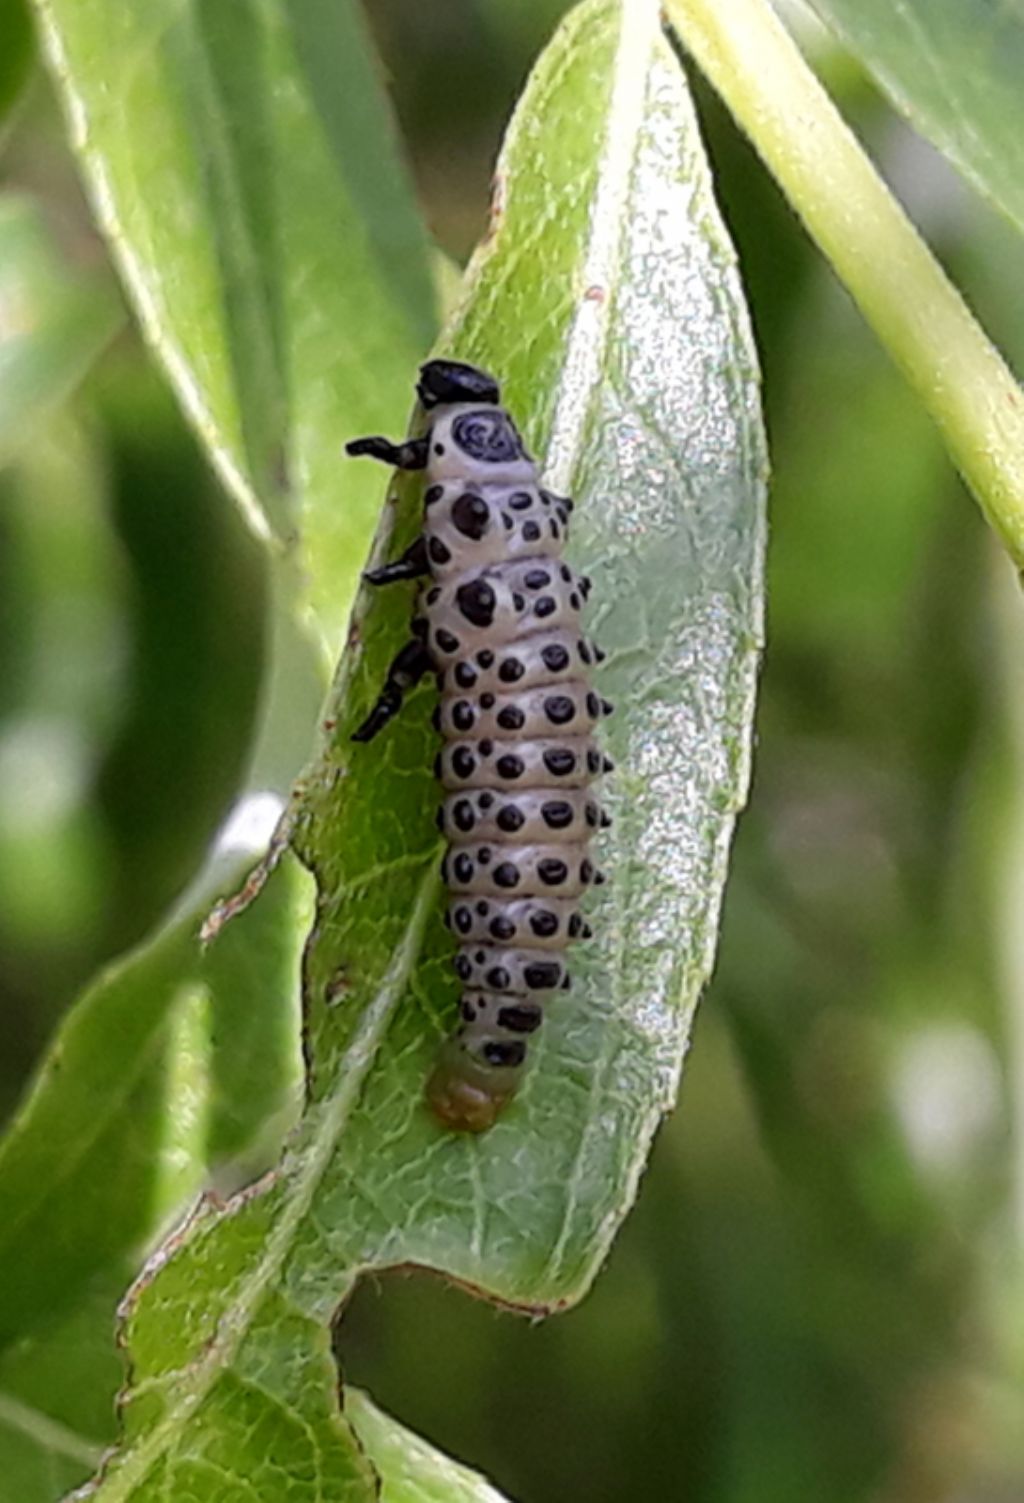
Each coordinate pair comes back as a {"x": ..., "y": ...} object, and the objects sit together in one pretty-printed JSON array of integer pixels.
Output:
[
  {"x": 244, "y": 167},
  {"x": 955, "y": 70},
  {"x": 410, "y": 1470},
  {"x": 16, "y": 52},
  {"x": 53, "y": 322},
  {"x": 920, "y": 318},
  {"x": 607, "y": 299},
  {"x": 176, "y": 1065},
  {"x": 132, "y": 1108}
]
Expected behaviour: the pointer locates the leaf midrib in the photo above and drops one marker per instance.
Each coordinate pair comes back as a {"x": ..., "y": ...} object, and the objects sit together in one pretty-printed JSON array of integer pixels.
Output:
[
  {"x": 585, "y": 354},
  {"x": 233, "y": 1324}
]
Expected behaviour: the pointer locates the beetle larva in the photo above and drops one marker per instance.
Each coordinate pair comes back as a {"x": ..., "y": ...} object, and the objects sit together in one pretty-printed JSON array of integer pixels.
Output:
[{"x": 498, "y": 622}]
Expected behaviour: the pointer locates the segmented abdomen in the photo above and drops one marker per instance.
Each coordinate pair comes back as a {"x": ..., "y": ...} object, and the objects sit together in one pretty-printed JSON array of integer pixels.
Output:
[{"x": 517, "y": 714}]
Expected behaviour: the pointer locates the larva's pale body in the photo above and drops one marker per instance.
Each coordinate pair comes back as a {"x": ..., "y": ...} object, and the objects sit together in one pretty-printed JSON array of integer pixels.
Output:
[{"x": 498, "y": 622}]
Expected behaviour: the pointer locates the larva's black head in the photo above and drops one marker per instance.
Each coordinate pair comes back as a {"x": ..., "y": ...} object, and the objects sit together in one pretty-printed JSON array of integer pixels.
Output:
[{"x": 452, "y": 381}]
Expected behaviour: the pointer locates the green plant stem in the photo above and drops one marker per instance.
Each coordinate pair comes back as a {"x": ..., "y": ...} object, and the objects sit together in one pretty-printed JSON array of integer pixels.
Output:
[{"x": 847, "y": 209}]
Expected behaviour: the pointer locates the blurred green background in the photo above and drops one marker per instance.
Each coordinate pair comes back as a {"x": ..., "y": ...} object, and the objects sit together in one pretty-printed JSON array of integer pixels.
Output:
[{"x": 820, "y": 1294}]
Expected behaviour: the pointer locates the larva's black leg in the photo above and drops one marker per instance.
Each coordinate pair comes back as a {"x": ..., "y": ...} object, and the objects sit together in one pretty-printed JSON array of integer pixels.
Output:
[
  {"x": 412, "y": 565},
  {"x": 405, "y": 672},
  {"x": 412, "y": 455}
]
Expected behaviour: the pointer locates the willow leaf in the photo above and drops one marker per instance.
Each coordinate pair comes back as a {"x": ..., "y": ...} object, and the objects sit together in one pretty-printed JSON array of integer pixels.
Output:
[
  {"x": 245, "y": 169},
  {"x": 955, "y": 71},
  {"x": 607, "y": 299}
]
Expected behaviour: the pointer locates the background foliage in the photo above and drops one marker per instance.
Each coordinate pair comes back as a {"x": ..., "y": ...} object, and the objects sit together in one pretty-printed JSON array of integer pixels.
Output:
[{"x": 820, "y": 1293}]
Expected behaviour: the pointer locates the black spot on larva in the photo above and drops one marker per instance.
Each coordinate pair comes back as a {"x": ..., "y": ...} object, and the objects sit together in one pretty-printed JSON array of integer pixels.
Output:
[
  {"x": 502, "y": 928},
  {"x": 485, "y": 658},
  {"x": 607, "y": 765},
  {"x": 439, "y": 448},
  {"x": 439, "y": 554},
  {"x": 419, "y": 627},
  {"x": 480, "y": 956},
  {"x": 471, "y": 516},
  {"x": 510, "y": 1054},
  {"x": 593, "y": 761},
  {"x": 599, "y": 879},
  {"x": 510, "y": 767},
  {"x": 599, "y": 654},
  {"x": 463, "y": 969},
  {"x": 465, "y": 676},
  {"x": 433, "y": 596},
  {"x": 463, "y": 920},
  {"x": 586, "y": 932},
  {"x": 586, "y": 870},
  {"x": 476, "y": 601},
  {"x": 507, "y": 521},
  {"x": 566, "y": 573},
  {"x": 551, "y": 871},
  {"x": 487, "y": 701},
  {"x": 536, "y": 579},
  {"x": 544, "y": 923},
  {"x": 433, "y": 494},
  {"x": 511, "y": 670},
  {"x": 510, "y": 819},
  {"x": 584, "y": 651},
  {"x": 593, "y": 705},
  {"x": 511, "y": 718},
  {"x": 462, "y": 867},
  {"x": 586, "y": 585},
  {"x": 574, "y": 600},
  {"x": 463, "y": 816},
  {"x": 483, "y": 908},
  {"x": 566, "y": 982},
  {"x": 523, "y": 1018},
  {"x": 486, "y": 747},
  {"x": 446, "y": 641},
  {"x": 559, "y": 709},
  {"x": 555, "y": 657},
  {"x": 463, "y": 762},
  {"x": 498, "y": 979},
  {"x": 591, "y": 816},
  {"x": 575, "y": 925},
  {"x": 606, "y": 819},
  {"x": 468, "y": 1011},
  {"x": 521, "y": 501},
  {"x": 557, "y": 814},
  {"x": 559, "y": 761},
  {"x": 554, "y": 527},
  {"x": 483, "y": 855},
  {"x": 607, "y": 707},
  {"x": 531, "y": 532},
  {"x": 463, "y": 715},
  {"x": 545, "y": 606},
  {"x": 507, "y": 874},
  {"x": 518, "y": 601},
  {"x": 542, "y": 975}
]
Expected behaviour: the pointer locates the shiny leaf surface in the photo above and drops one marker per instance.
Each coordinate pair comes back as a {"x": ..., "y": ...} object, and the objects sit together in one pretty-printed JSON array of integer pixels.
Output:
[{"x": 607, "y": 299}]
